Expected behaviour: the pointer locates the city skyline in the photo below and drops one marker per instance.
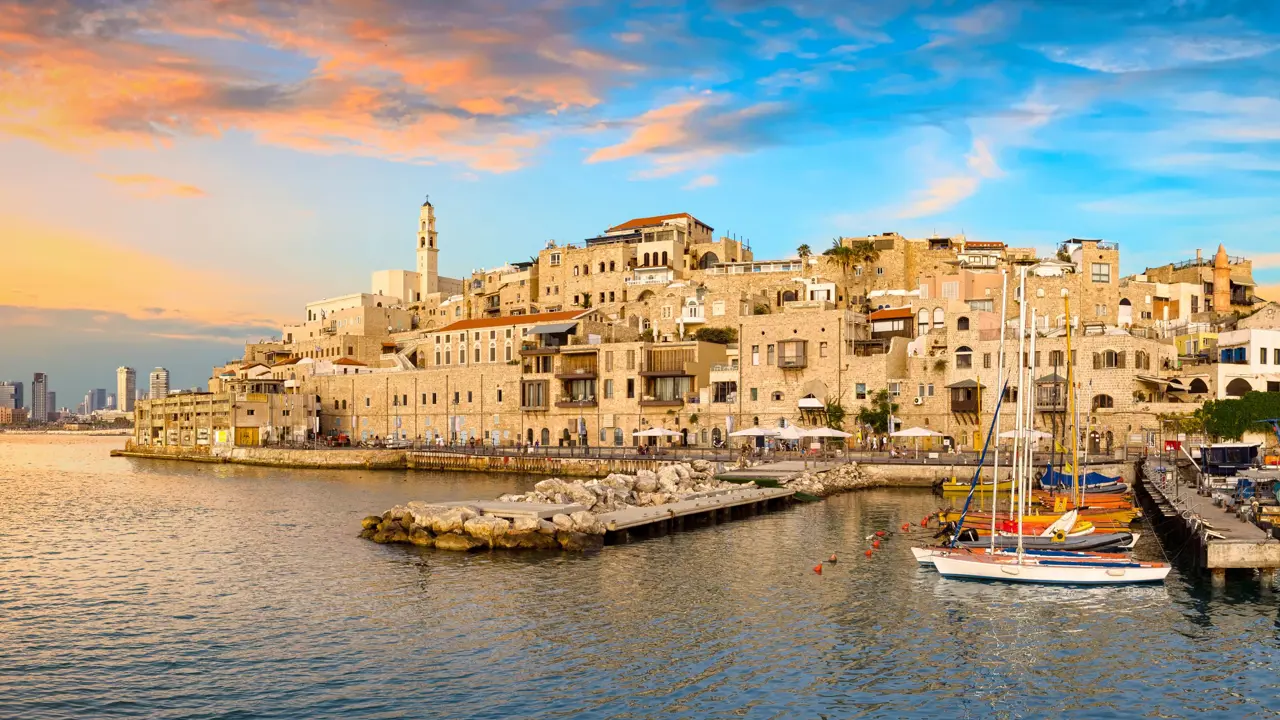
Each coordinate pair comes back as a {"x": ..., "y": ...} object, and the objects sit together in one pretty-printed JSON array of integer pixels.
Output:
[{"x": 1150, "y": 124}]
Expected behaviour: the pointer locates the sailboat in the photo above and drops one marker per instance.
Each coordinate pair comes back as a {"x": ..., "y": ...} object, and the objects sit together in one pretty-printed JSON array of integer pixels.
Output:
[{"x": 1055, "y": 567}]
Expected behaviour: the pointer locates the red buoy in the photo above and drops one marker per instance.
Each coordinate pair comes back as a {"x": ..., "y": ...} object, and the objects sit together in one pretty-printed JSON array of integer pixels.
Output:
[
  {"x": 868, "y": 553},
  {"x": 880, "y": 533},
  {"x": 924, "y": 522},
  {"x": 906, "y": 527},
  {"x": 875, "y": 543},
  {"x": 818, "y": 568},
  {"x": 832, "y": 558}
]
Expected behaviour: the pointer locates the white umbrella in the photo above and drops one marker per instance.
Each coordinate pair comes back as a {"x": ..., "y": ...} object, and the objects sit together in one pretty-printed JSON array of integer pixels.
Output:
[
  {"x": 826, "y": 433},
  {"x": 790, "y": 432},
  {"x": 754, "y": 432},
  {"x": 917, "y": 433},
  {"x": 654, "y": 432},
  {"x": 1033, "y": 434}
]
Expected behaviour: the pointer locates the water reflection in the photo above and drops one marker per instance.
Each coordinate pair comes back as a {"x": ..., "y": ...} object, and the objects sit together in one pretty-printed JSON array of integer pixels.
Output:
[{"x": 166, "y": 590}]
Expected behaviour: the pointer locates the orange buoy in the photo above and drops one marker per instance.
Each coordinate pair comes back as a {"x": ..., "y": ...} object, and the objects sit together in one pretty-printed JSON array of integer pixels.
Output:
[
  {"x": 818, "y": 568},
  {"x": 879, "y": 533},
  {"x": 924, "y": 522},
  {"x": 868, "y": 553},
  {"x": 906, "y": 527},
  {"x": 832, "y": 558},
  {"x": 875, "y": 543}
]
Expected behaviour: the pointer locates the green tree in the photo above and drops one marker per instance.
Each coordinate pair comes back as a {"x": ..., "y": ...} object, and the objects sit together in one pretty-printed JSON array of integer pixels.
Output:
[
  {"x": 835, "y": 412},
  {"x": 840, "y": 254},
  {"x": 718, "y": 335},
  {"x": 804, "y": 252},
  {"x": 875, "y": 415},
  {"x": 1231, "y": 419}
]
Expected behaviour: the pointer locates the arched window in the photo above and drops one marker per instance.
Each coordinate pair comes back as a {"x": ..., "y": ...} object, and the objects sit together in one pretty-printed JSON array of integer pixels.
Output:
[
  {"x": 964, "y": 357},
  {"x": 755, "y": 420},
  {"x": 611, "y": 270},
  {"x": 777, "y": 396},
  {"x": 1198, "y": 386},
  {"x": 962, "y": 323},
  {"x": 922, "y": 322},
  {"x": 576, "y": 270},
  {"x": 601, "y": 267},
  {"x": 1102, "y": 402},
  {"x": 1141, "y": 360},
  {"x": 1108, "y": 359},
  {"x": 646, "y": 261},
  {"x": 617, "y": 437},
  {"x": 586, "y": 269},
  {"x": 1238, "y": 387},
  {"x": 546, "y": 437},
  {"x": 664, "y": 258},
  {"x": 939, "y": 318},
  {"x": 715, "y": 435},
  {"x": 788, "y": 296}
]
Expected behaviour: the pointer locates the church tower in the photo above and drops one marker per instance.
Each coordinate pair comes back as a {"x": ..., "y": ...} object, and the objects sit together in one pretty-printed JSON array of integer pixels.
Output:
[
  {"x": 1221, "y": 281},
  {"x": 428, "y": 249}
]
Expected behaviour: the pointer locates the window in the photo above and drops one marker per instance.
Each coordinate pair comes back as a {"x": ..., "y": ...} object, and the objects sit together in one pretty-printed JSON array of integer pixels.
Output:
[
  {"x": 508, "y": 352},
  {"x": 1055, "y": 358},
  {"x": 860, "y": 391},
  {"x": 982, "y": 305},
  {"x": 1108, "y": 359},
  {"x": 1262, "y": 356},
  {"x": 555, "y": 259},
  {"x": 717, "y": 307},
  {"x": 335, "y": 404},
  {"x": 964, "y": 358},
  {"x": 929, "y": 390},
  {"x": 424, "y": 398},
  {"x": 366, "y": 401},
  {"x": 1103, "y": 402},
  {"x": 608, "y": 389},
  {"x": 493, "y": 353},
  {"x": 951, "y": 290},
  {"x": 576, "y": 270},
  {"x": 755, "y": 394},
  {"x": 666, "y": 312},
  {"x": 920, "y": 390},
  {"x": 608, "y": 361},
  {"x": 1036, "y": 359},
  {"x": 601, "y": 270},
  {"x": 962, "y": 323},
  {"x": 1100, "y": 310},
  {"x": 922, "y": 322},
  {"x": 250, "y": 411},
  {"x": 499, "y": 394},
  {"x": 456, "y": 396},
  {"x": 631, "y": 387},
  {"x": 769, "y": 354},
  {"x": 433, "y": 398},
  {"x": 1101, "y": 273},
  {"x": 986, "y": 361},
  {"x": 822, "y": 349},
  {"x": 777, "y": 396},
  {"x": 1195, "y": 303},
  {"x": 1275, "y": 357},
  {"x": 895, "y": 389},
  {"x": 611, "y": 270},
  {"x": 879, "y": 271},
  {"x": 477, "y": 354},
  {"x": 468, "y": 396},
  {"x": 631, "y": 361},
  {"x": 755, "y": 354}
]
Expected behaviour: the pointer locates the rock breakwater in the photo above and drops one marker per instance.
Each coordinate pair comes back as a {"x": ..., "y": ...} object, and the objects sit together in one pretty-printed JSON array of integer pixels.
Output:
[{"x": 843, "y": 478}]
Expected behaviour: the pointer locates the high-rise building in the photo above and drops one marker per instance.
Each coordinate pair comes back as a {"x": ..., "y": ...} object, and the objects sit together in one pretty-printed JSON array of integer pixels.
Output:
[
  {"x": 40, "y": 398},
  {"x": 159, "y": 385},
  {"x": 99, "y": 399},
  {"x": 51, "y": 402},
  {"x": 10, "y": 395},
  {"x": 126, "y": 379},
  {"x": 111, "y": 401}
]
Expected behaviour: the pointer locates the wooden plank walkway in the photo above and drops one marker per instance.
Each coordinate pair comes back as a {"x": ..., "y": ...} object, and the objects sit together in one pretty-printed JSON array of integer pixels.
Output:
[
  {"x": 778, "y": 470},
  {"x": 635, "y": 517},
  {"x": 1222, "y": 541}
]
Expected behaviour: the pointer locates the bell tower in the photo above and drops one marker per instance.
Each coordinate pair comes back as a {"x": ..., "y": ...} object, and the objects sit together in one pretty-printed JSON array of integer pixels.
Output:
[{"x": 428, "y": 249}]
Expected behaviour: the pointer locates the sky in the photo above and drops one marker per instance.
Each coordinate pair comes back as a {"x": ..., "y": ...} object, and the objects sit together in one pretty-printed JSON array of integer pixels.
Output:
[{"x": 180, "y": 176}]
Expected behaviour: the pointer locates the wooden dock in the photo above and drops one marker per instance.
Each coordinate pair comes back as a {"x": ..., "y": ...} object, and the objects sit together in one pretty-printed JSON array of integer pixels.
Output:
[
  {"x": 705, "y": 509},
  {"x": 1218, "y": 541},
  {"x": 777, "y": 470}
]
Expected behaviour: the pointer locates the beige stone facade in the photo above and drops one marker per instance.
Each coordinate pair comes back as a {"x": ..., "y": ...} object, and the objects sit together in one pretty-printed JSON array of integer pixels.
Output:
[{"x": 244, "y": 413}]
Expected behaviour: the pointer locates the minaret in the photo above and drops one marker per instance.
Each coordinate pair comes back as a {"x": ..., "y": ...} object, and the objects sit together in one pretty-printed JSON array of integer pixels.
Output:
[
  {"x": 1221, "y": 281},
  {"x": 428, "y": 250}
]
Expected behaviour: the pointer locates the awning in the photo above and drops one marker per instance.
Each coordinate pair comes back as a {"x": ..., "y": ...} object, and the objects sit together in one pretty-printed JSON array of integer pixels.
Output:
[
  {"x": 965, "y": 384},
  {"x": 808, "y": 402},
  {"x": 1153, "y": 380},
  {"x": 1051, "y": 378},
  {"x": 553, "y": 328}
]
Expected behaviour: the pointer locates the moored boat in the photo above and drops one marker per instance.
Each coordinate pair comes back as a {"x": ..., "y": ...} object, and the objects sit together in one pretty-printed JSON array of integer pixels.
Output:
[{"x": 1054, "y": 570}]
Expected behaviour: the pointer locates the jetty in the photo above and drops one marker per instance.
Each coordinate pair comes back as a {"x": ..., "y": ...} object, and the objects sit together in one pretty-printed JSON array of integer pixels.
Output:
[{"x": 1191, "y": 526}]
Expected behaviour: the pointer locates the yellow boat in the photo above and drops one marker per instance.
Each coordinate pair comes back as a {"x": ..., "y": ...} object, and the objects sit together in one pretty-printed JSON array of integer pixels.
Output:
[
  {"x": 1103, "y": 520},
  {"x": 960, "y": 488}
]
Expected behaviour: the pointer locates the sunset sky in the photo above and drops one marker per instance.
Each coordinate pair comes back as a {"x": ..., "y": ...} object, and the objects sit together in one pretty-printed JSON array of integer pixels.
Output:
[{"x": 180, "y": 176}]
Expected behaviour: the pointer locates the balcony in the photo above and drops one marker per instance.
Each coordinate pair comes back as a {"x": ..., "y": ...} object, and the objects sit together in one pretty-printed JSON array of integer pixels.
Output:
[
  {"x": 531, "y": 348},
  {"x": 793, "y": 354},
  {"x": 693, "y": 314},
  {"x": 965, "y": 396},
  {"x": 584, "y": 403},
  {"x": 661, "y": 402},
  {"x": 577, "y": 367},
  {"x": 668, "y": 363},
  {"x": 650, "y": 276}
]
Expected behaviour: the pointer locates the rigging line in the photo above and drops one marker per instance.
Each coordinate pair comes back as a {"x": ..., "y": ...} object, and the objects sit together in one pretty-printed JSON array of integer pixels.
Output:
[{"x": 994, "y": 480}]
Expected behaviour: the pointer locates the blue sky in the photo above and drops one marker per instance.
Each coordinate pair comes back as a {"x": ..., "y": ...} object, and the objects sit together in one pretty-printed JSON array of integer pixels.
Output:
[{"x": 178, "y": 180}]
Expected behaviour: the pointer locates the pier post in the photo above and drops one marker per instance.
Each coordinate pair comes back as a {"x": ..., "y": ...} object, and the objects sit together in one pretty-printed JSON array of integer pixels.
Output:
[{"x": 1218, "y": 577}]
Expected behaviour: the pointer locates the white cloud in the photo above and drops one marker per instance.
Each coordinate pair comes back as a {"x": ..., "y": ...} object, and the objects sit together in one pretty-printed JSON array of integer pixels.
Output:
[
  {"x": 940, "y": 194},
  {"x": 1159, "y": 52},
  {"x": 702, "y": 181}
]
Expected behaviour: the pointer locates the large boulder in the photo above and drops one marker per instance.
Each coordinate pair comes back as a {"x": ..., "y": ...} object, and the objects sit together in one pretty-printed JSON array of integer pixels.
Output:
[
  {"x": 372, "y": 521},
  {"x": 579, "y": 542},
  {"x": 422, "y": 538},
  {"x": 668, "y": 479},
  {"x": 524, "y": 525},
  {"x": 700, "y": 466},
  {"x": 455, "y": 541},
  {"x": 546, "y": 527},
  {"x": 424, "y": 514},
  {"x": 486, "y": 528},
  {"x": 563, "y": 522},
  {"x": 452, "y": 519},
  {"x": 624, "y": 484},
  {"x": 682, "y": 470},
  {"x": 646, "y": 481},
  {"x": 585, "y": 522}
]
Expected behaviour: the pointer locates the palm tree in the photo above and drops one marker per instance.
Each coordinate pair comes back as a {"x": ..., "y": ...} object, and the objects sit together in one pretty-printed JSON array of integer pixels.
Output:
[
  {"x": 804, "y": 252},
  {"x": 841, "y": 255}
]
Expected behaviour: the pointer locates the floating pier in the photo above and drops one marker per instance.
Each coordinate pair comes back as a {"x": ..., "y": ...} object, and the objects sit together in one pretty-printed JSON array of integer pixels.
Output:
[
  {"x": 1217, "y": 541},
  {"x": 711, "y": 508}
]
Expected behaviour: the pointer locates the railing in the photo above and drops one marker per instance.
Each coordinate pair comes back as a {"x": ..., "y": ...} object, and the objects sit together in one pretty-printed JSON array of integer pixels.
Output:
[
  {"x": 650, "y": 279},
  {"x": 724, "y": 367},
  {"x": 748, "y": 268},
  {"x": 1206, "y": 262},
  {"x": 572, "y": 366},
  {"x": 792, "y": 361},
  {"x": 667, "y": 361}
]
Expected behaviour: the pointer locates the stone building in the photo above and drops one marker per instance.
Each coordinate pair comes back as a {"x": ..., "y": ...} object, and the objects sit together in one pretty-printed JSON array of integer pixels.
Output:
[
  {"x": 1227, "y": 281},
  {"x": 245, "y": 412}
]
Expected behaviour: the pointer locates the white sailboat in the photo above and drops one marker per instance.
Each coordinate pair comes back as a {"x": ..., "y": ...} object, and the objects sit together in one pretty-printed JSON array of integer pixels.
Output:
[{"x": 1040, "y": 567}]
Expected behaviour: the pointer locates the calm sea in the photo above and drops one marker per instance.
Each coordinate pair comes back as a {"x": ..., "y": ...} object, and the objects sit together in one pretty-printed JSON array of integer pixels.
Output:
[{"x": 154, "y": 589}]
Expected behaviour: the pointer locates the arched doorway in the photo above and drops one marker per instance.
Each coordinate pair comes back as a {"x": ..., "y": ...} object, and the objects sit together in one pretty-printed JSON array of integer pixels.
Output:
[
  {"x": 1109, "y": 440},
  {"x": 788, "y": 296},
  {"x": 707, "y": 260},
  {"x": 546, "y": 437},
  {"x": 716, "y": 436},
  {"x": 1125, "y": 316},
  {"x": 1198, "y": 386},
  {"x": 564, "y": 437},
  {"x": 529, "y": 436},
  {"x": 1238, "y": 387},
  {"x": 684, "y": 437}
]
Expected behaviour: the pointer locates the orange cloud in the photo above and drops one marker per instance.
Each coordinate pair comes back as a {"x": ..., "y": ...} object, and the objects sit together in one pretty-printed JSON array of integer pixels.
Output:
[
  {"x": 106, "y": 278},
  {"x": 153, "y": 186},
  {"x": 386, "y": 80}
]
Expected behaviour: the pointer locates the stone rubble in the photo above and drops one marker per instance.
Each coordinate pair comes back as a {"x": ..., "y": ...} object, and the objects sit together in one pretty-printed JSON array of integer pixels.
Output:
[
  {"x": 464, "y": 527},
  {"x": 830, "y": 482}
]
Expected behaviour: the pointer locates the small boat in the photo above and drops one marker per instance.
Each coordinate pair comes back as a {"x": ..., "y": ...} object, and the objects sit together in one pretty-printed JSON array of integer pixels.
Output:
[
  {"x": 1081, "y": 569},
  {"x": 1061, "y": 551}
]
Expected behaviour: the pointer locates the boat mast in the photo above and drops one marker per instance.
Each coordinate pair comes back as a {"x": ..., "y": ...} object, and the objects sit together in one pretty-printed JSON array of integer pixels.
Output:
[
  {"x": 1022, "y": 370},
  {"x": 1030, "y": 426},
  {"x": 1017, "y": 422},
  {"x": 1076, "y": 494},
  {"x": 995, "y": 474}
]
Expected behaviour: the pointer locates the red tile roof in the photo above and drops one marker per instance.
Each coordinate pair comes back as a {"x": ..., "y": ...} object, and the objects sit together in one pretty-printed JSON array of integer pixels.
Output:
[
  {"x": 655, "y": 220},
  {"x": 347, "y": 361},
  {"x": 891, "y": 314},
  {"x": 534, "y": 319}
]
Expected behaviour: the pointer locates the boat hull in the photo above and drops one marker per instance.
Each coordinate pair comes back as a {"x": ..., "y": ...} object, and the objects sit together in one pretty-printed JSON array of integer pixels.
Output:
[{"x": 1048, "y": 572}]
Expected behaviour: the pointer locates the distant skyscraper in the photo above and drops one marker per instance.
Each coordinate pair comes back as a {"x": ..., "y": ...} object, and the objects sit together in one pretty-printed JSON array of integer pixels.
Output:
[
  {"x": 111, "y": 401},
  {"x": 51, "y": 401},
  {"x": 159, "y": 383},
  {"x": 10, "y": 395},
  {"x": 40, "y": 398},
  {"x": 126, "y": 379},
  {"x": 99, "y": 399}
]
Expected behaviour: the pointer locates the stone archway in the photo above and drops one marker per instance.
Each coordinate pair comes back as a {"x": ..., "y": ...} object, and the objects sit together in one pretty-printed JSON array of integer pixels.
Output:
[
  {"x": 707, "y": 260},
  {"x": 1238, "y": 387}
]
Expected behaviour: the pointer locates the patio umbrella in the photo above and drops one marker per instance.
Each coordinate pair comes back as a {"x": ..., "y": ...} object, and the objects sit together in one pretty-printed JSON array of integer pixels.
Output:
[
  {"x": 790, "y": 432},
  {"x": 754, "y": 432},
  {"x": 826, "y": 432},
  {"x": 917, "y": 433},
  {"x": 655, "y": 432},
  {"x": 1033, "y": 434}
]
